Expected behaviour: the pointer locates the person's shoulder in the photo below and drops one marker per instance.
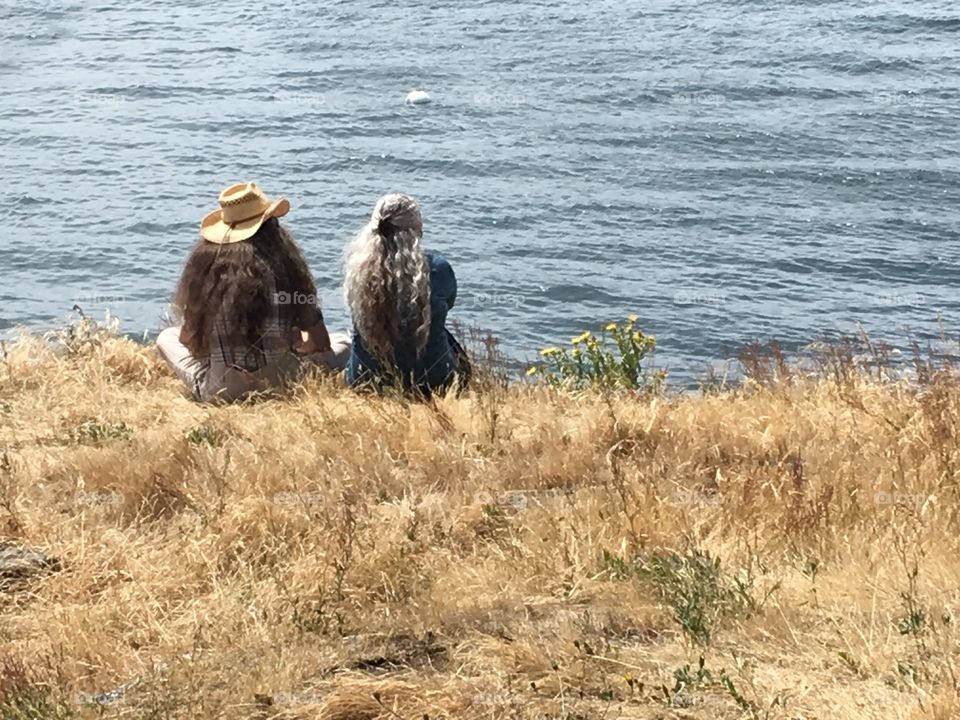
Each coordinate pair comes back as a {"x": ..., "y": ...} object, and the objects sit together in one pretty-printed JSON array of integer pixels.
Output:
[{"x": 439, "y": 264}]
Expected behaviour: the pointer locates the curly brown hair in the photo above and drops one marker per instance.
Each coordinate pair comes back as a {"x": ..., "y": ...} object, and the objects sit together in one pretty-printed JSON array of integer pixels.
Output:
[{"x": 232, "y": 283}]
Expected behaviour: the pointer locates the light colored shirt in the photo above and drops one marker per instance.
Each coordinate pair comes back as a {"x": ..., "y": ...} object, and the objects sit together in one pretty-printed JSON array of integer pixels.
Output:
[{"x": 236, "y": 368}]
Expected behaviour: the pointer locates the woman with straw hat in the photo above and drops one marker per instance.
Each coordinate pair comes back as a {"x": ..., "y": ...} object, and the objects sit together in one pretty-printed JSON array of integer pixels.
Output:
[
  {"x": 399, "y": 297},
  {"x": 247, "y": 304}
]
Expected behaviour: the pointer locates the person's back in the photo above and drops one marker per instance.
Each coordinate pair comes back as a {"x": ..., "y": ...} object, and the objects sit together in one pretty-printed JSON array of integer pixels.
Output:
[
  {"x": 399, "y": 297},
  {"x": 244, "y": 297}
]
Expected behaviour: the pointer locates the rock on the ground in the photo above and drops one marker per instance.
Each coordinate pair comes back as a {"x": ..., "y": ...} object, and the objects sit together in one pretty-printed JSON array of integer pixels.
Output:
[{"x": 20, "y": 563}]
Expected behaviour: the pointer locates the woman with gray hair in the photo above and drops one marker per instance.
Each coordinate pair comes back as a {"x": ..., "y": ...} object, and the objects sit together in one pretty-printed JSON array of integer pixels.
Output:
[{"x": 399, "y": 296}]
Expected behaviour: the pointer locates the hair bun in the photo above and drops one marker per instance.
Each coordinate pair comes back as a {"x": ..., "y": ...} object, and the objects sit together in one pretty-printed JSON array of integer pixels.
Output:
[
  {"x": 395, "y": 211},
  {"x": 385, "y": 227}
]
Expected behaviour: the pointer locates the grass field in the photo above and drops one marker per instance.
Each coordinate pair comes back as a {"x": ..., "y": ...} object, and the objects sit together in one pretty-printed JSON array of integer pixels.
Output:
[{"x": 789, "y": 548}]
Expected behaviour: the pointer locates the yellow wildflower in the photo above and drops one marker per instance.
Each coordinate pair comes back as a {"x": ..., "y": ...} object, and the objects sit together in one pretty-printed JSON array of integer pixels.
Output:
[
  {"x": 531, "y": 371},
  {"x": 632, "y": 319},
  {"x": 638, "y": 337},
  {"x": 610, "y": 327},
  {"x": 548, "y": 351},
  {"x": 583, "y": 337}
]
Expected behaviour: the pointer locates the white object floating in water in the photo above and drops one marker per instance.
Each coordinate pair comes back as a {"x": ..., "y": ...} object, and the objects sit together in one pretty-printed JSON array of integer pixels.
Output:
[{"x": 418, "y": 97}]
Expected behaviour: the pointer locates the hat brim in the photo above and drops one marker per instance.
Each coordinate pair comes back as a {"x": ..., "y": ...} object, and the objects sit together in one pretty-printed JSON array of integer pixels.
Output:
[{"x": 213, "y": 229}]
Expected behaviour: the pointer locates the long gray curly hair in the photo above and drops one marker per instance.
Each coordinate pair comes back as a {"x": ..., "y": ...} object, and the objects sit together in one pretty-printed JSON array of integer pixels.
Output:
[{"x": 387, "y": 277}]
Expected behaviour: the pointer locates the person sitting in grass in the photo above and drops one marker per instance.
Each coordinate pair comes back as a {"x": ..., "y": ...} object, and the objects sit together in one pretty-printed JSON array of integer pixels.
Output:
[
  {"x": 399, "y": 296},
  {"x": 247, "y": 304}
]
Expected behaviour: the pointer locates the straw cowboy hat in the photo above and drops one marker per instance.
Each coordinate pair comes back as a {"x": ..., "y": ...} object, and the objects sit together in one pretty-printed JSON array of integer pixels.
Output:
[{"x": 243, "y": 209}]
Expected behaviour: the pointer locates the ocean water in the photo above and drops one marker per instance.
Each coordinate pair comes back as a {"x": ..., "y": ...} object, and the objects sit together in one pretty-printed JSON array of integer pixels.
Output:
[{"x": 729, "y": 171}]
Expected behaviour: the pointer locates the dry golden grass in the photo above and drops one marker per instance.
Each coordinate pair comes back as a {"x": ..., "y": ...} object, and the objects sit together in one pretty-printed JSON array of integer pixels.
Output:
[{"x": 509, "y": 554}]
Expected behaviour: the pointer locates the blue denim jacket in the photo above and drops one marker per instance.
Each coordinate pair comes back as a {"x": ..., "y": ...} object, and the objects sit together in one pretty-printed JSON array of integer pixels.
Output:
[{"x": 434, "y": 369}]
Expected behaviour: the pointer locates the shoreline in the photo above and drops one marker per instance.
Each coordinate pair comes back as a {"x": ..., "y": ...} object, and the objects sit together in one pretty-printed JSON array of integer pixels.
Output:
[{"x": 898, "y": 362}]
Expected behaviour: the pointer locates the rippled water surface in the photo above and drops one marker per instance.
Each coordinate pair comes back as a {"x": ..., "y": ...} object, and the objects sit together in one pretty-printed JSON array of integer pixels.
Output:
[{"x": 729, "y": 171}]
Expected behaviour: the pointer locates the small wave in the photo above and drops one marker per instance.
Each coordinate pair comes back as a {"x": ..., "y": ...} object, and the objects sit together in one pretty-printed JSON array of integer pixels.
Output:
[
  {"x": 29, "y": 201},
  {"x": 147, "y": 228},
  {"x": 140, "y": 92},
  {"x": 899, "y": 23},
  {"x": 580, "y": 294}
]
